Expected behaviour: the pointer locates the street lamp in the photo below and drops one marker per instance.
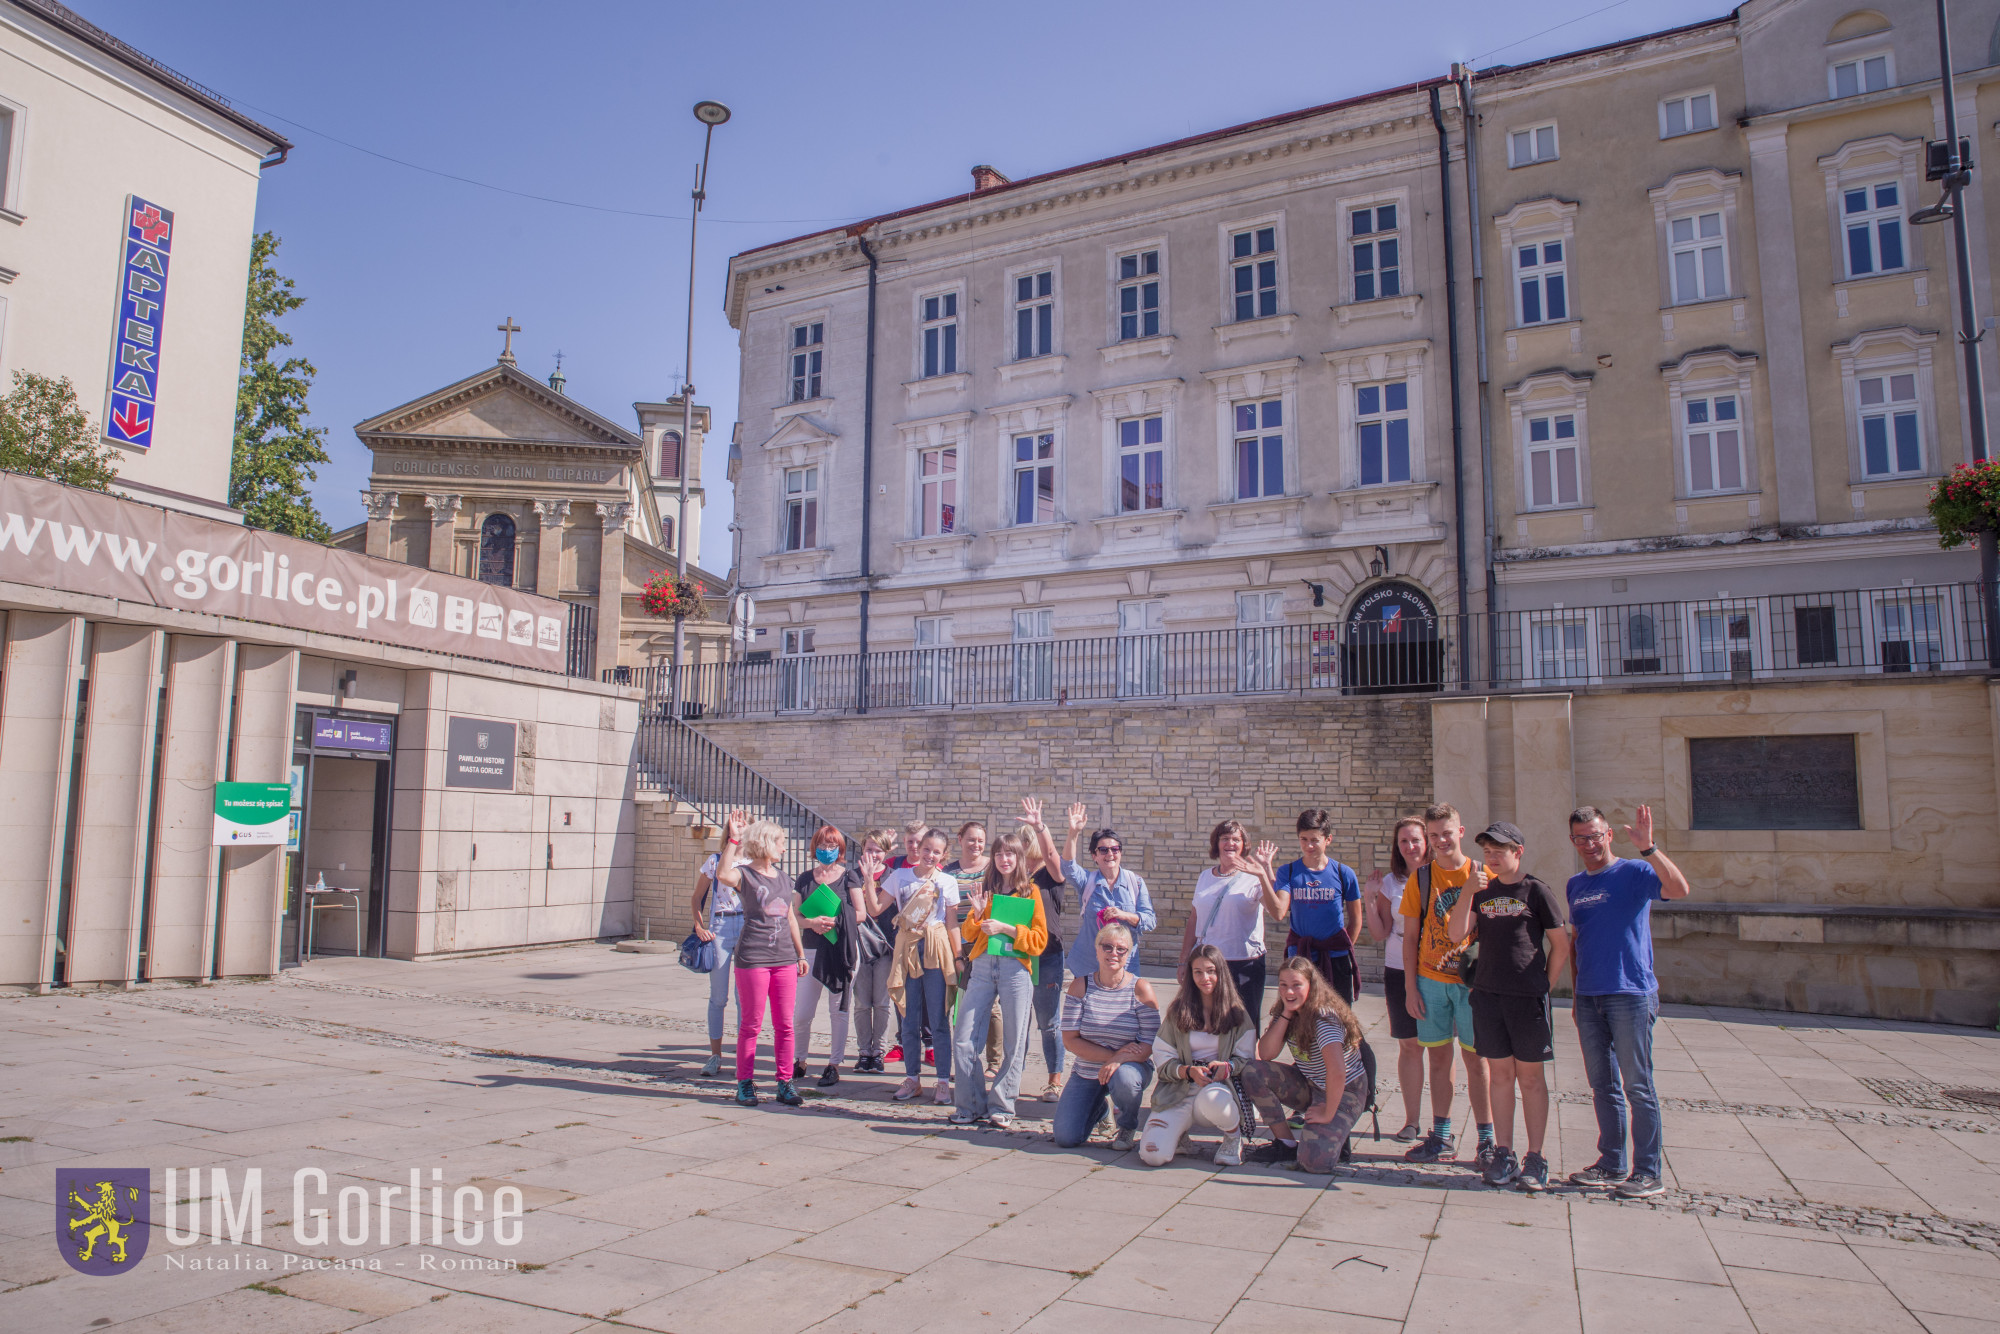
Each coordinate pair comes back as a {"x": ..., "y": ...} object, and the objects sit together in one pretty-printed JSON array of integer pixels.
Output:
[{"x": 710, "y": 114}]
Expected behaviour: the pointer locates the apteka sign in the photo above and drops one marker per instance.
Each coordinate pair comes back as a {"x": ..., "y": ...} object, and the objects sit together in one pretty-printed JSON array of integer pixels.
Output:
[{"x": 141, "y": 320}]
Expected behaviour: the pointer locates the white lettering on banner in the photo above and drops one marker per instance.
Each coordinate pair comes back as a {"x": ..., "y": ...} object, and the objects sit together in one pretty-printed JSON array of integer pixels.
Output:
[{"x": 225, "y": 570}]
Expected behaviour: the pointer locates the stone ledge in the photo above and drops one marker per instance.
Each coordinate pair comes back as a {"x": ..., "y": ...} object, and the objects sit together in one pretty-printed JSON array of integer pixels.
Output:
[{"x": 1832, "y": 924}]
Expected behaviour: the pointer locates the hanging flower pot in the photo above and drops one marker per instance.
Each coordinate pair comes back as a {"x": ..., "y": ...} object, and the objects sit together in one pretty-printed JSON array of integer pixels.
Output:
[
  {"x": 1966, "y": 503},
  {"x": 666, "y": 597}
]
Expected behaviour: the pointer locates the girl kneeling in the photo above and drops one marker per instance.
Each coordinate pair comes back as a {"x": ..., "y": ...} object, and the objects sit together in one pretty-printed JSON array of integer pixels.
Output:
[
  {"x": 1310, "y": 1018},
  {"x": 1206, "y": 1039}
]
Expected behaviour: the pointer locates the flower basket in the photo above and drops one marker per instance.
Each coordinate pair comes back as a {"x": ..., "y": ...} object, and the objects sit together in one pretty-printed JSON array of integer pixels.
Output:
[
  {"x": 665, "y": 596},
  {"x": 1966, "y": 503}
]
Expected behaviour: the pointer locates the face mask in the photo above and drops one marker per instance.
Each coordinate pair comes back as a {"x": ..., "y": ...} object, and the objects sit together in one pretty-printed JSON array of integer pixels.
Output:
[{"x": 826, "y": 856}]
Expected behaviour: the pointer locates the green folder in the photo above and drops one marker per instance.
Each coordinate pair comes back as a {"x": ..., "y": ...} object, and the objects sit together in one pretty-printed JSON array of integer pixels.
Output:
[
  {"x": 1014, "y": 910},
  {"x": 824, "y": 901}
]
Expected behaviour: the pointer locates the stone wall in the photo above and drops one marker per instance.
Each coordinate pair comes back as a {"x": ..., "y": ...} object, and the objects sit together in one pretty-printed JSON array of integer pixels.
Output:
[
  {"x": 1161, "y": 775},
  {"x": 671, "y": 846}
]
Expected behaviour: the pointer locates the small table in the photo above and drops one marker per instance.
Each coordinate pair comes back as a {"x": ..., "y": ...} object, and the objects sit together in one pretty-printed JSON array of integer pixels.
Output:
[{"x": 313, "y": 909}]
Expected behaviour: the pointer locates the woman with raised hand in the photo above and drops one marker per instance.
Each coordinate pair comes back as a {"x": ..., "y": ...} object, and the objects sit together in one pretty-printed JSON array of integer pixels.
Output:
[
  {"x": 1107, "y": 893},
  {"x": 1046, "y": 864},
  {"x": 836, "y": 955},
  {"x": 770, "y": 956},
  {"x": 1230, "y": 900},
  {"x": 998, "y": 980},
  {"x": 1324, "y": 1036},
  {"x": 1206, "y": 1039},
  {"x": 869, "y": 1000},
  {"x": 1409, "y": 848},
  {"x": 717, "y": 917},
  {"x": 927, "y": 947},
  {"x": 1109, "y": 1020},
  {"x": 969, "y": 869}
]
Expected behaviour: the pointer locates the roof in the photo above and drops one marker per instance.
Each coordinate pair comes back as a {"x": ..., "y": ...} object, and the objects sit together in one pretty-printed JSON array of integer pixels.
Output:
[
  {"x": 73, "y": 23},
  {"x": 403, "y": 421}
]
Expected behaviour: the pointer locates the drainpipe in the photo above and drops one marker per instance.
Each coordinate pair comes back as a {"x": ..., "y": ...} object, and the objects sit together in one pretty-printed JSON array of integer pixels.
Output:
[
  {"x": 1470, "y": 124},
  {"x": 867, "y": 478},
  {"x": 1457, "y": 409}
]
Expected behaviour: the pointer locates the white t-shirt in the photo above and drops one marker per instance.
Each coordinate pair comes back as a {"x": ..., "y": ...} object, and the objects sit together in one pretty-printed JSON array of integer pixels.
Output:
[
  {"x": 1390, "y": 886},
  {"x": 1229, "y": 914},
  {"x": 724, "y": 898},
  {"x": 903, "y": 882}
]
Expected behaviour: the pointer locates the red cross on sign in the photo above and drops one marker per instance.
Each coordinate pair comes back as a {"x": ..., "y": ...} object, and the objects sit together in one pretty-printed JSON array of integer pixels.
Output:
[{"x": 150, "y": 224}]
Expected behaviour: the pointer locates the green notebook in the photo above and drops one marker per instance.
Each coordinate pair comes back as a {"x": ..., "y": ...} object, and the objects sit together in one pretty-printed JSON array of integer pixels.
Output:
[
  {"x": 1014, "y": 910},
  {"x": 824, "y": 901}
]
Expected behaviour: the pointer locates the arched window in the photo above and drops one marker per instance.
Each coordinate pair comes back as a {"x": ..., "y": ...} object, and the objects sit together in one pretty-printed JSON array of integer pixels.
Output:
[
  {"x": 670, "y": 455},
  {"x": 496, "y": 550}
]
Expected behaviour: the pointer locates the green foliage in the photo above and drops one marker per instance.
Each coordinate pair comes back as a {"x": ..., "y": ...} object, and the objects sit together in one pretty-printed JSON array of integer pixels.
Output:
[
  {"x": 274, "y": 450},
  {"x": 45, "y": 433},
  {"x": 1966, "y": 503}
]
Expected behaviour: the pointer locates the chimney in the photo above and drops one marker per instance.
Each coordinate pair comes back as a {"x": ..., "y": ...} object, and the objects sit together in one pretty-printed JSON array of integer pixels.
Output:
[{"x": 985, "y": 178}]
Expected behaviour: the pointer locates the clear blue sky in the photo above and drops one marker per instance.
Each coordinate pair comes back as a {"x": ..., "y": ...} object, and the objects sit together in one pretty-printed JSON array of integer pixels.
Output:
[{"x": 841, "y": 112}]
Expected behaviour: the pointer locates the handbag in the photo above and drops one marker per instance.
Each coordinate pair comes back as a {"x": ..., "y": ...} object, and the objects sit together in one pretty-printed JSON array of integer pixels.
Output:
[{"x": 698, "y": 955}]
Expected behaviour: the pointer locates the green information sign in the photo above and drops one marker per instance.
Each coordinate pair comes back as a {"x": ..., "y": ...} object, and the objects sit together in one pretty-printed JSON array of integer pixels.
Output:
[{"x": 252, "y": 813}]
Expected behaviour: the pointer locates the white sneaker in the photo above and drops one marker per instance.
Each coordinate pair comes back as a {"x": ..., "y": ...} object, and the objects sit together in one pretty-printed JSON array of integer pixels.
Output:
[
  {"x": 908, "y": 1089},
  {"x": 1229, "y": 1153},
  {"x": 1124, "y": 1139},
  {"x": 712, "y": 1067},
  {"x": 943, "y": 1096}
]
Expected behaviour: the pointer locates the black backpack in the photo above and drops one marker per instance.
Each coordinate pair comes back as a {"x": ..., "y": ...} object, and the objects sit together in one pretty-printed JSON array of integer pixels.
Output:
[{"x": 1374, "y": 1112}]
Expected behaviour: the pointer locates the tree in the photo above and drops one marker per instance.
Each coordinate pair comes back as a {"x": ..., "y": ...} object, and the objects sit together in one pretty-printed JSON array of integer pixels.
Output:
[
  {"x": 44, "y": 433},
  {"x": 274, "y": 449}
]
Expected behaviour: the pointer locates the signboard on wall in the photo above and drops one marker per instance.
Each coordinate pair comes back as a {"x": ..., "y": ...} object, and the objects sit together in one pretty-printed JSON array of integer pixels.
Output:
[
  {"x": 252, "y": 814},
  {"x": 350, "y": 734},
  {"x": 140, "y": 324},
  {"x": 479, "y": 753}
]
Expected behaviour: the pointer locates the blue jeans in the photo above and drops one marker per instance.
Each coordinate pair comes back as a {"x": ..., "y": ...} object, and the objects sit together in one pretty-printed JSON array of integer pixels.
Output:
[
  {"x": 924, "y": 1007},
  {"x": 1617, "y": 1037},
  {"x": 993, "y": 977},
  {"x": 727, "y": 927},
  {"x": 1083, "y": 1101},
  {"x": 1048, "y": 1008}
]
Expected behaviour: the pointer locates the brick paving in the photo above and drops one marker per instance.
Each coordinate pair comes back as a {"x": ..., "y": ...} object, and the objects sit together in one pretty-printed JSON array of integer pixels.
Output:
[{"x": 1820, "y": 1175}]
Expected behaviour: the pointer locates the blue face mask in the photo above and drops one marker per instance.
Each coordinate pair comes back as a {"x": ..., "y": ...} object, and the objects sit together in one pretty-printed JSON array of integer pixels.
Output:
[{"x": 826, "y": 856}]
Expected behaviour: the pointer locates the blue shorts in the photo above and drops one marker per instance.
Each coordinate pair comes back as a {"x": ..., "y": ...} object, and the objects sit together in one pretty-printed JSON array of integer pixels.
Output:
[{"x": 1447, "y": 1012}]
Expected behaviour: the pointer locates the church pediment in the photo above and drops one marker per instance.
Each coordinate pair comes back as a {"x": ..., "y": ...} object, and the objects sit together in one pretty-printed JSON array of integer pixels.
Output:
[
  {"x": 498, "y": 406},
  {"x": 800, "y": 430}
]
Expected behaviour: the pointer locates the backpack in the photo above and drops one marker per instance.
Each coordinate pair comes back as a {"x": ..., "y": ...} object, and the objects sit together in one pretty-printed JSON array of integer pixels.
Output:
[
  {"x": 1466, "y": 960},
  {"x": 1374, "y": 1112}
]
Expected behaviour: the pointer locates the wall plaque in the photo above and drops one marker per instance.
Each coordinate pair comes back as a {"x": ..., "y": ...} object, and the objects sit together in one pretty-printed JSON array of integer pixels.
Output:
[
  {"x": 1774, "y": 782},
  {"x": 479, "y": 753}
]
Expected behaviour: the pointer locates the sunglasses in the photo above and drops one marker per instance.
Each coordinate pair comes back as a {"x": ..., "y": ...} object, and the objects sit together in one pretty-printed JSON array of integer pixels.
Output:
[
  {"x": 1587, "y": 840},
  {"x": 1116, "y": 950},
  {"x": 1106, "y": 850}
]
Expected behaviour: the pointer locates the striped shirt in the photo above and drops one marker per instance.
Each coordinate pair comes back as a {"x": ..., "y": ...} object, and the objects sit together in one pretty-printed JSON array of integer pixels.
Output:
[
  {"x": 1312, "y": 1064},
  {"x": 1109, "y": 1017}
]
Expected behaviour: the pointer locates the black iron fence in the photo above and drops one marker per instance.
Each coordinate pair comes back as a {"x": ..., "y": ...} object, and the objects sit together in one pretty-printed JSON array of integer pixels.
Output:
[
  {"x": 675, "y": 758},
  {"x": 1936, "y": 628},
  {"x": 580, "y": 649}
]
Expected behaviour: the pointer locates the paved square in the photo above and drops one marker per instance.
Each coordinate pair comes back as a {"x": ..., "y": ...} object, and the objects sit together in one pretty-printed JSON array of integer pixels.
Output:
[{"x": 1822, "y": 1180}]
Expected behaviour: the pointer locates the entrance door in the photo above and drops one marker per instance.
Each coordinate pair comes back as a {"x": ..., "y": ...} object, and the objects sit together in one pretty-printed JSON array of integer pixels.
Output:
[{"x": 336, "y": 863}]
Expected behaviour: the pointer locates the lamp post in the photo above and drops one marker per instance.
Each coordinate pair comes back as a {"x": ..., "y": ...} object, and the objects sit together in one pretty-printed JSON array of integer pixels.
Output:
[{"x": 710, "y": 114}]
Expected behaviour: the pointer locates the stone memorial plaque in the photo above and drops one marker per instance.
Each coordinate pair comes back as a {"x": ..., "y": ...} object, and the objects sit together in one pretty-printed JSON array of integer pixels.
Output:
[
  {"x": 1774, "y": 782},
  {"x": 479, "y": 753}
]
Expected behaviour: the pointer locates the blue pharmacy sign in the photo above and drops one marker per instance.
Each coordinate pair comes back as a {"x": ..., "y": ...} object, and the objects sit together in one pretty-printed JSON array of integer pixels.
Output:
[{"x": 142, "y": 308}]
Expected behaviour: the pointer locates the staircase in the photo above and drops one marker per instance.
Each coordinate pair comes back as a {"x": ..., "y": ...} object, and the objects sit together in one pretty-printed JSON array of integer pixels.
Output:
[{"x": 708, "y": 782}]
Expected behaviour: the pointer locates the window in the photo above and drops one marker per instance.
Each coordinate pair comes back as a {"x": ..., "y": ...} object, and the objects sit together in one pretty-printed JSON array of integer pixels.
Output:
[
  {"x": 1560, "y": 646},
  {"x": 1816, "y": 641},
  {"x": 1139, "y": 295},
  {"x": 1142, "y": 648},
  {"x": 1034, "y": 314},
  {"x": 1253, "y": 257},
  {"x": 1552, "y": 461},
  {"x": 1544, "y": 282},
  {"x": 1260, "y": 641},
  {"x": 1862, "y": 74},
  {"x": 808, "y": 347},
  {"x": 801, "y": 509},
  {"x": 1642, "y": 643},
  {"x": 1034, "y": 654},
  {"x": 1142, "y": 464},
  {"x": 1537, "y": 144},
  {"x": 670, "y": 454},
  {"x": 8, "y": 120},
  {"x": 1376, "y": 251},
  {"x": 1892, "y": 442},
  {"x": 935, "y": 670},
  {"x": 1382, "y": 424},
  {"x": 1699, "y": 257},
  {"x": 1713, "y": 439},
  {"x": 667, "y": 531},
  {"x": 937, "y": 471},
  {"x": 1687, "y": 115},
  {"x": 1035, "y": 478},
  {"x": 1722, "y": 641},
  {"x": 795, "y": 670},
  {"x": 1911, "y": 636},
  {"x": 1873, "y": 217},
  {"x": 1260, "y": 449},
  {"x": 940, "y": 329}
]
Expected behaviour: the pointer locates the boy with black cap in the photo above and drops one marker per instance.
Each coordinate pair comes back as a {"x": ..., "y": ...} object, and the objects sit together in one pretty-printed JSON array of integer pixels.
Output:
[{"x": 1518, "y": 925}]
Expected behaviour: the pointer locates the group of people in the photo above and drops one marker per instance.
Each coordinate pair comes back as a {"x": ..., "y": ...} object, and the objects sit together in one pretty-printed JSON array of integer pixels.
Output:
[{"x": 969, "y": 953}]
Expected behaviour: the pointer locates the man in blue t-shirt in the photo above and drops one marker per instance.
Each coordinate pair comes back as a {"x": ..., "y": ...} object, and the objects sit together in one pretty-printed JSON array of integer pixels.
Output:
[
  {"x": 1617, "y": 996},
  {"x": 1325, "y": 898}
]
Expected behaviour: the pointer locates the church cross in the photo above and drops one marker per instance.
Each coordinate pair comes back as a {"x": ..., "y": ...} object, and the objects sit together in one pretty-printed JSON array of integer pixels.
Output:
[{"x": 509, "y": 328}]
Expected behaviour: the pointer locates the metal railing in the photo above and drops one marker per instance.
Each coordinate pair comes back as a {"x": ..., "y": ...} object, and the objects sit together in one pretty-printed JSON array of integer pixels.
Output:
[
  {"x": 580, "y": 649},
  {"x": 675, "y": 758},
  {"x": 1936, "y": 628}
]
